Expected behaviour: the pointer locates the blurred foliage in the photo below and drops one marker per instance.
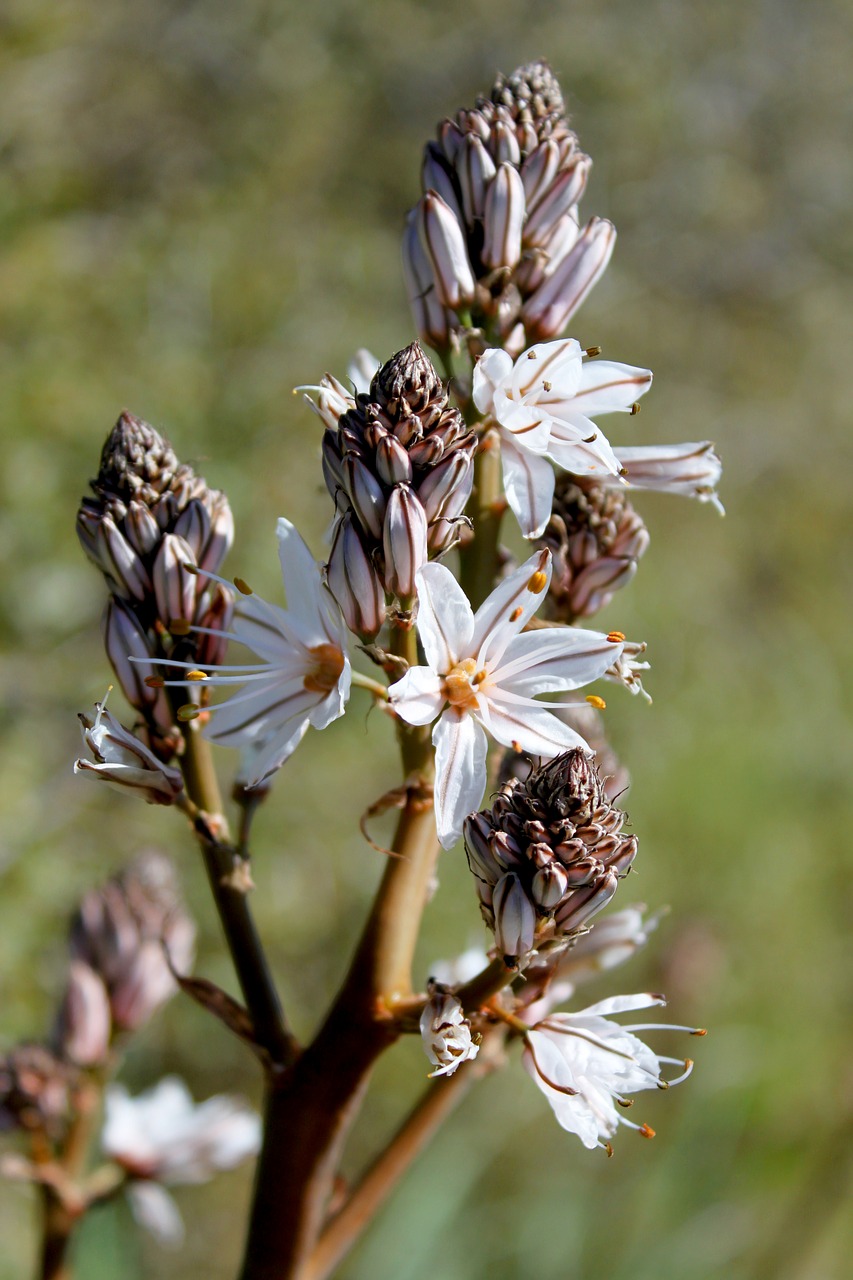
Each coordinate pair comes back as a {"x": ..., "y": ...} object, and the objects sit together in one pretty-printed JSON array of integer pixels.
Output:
[{"x": 201, "y": 208}]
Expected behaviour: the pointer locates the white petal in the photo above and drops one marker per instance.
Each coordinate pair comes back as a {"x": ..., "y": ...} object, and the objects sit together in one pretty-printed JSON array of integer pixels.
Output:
[
  {"x": 460, "y": 767},
  {"x": 528, "y": 424},
  {"x": 529, "y": 486},
  {"x": 579, "y": 446},
  {"x": 554, "y": 658},
  {"x": 265, "y": 629},
  {"x": 261, "y": 759},
  {"x": 418, "y": 696},
  {"x": 615, "y": 1004},
  {"x": 558, "y": 363},
  {"x": 493, "y": 368},
  {"x": 445, "y": 620},
  {"x": 527, "y": 728},
  {"x": 509, "y": 607},
  {"x": 607, "y": 387},
  {"x": 333, "y": 705},
  {"x": 155, "y": 1210}
]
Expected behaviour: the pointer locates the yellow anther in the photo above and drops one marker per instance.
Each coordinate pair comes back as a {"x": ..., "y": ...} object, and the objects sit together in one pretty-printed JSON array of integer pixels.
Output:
[
  {"x": 154, "y": 682},
  {"x": 243, "y": 587},
  {"x": 188, "y": 712},
  {"x": 594, "y": 701},
  {"x": 197, "y": 675},
  {"x": 616, "y": 637},
  {"x": 179, "y": 626},
  {"x": 537, "y": 582},
  {"x": 635, "y": 409},
  {"x": 516, "y": 746}
]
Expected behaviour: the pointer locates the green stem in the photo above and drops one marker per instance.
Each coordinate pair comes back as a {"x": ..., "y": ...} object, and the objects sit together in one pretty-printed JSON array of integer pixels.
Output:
[{"x": 478, "y": 562}]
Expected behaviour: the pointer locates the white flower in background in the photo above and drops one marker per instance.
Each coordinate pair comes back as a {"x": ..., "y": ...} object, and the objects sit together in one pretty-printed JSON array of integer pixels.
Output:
[
  {"x": 692, "y": 470},
  {"x": 543, "y": 405},
  {"x": 162, "y": 1136},
  {"x": 303, "y": 677},
  {"x": 445, "y": 1031},
  {"x": 585, "y": 1064},
  {"x": 483, "y": 675},
  {"x": 611, "y": 940},
  {"x": 122, "y": 760}
]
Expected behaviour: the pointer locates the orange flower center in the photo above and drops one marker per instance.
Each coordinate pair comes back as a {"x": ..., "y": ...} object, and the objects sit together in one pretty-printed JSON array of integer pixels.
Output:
[
  {"x": 326, "y": 670},
  {"x": 461, "y": 684}
]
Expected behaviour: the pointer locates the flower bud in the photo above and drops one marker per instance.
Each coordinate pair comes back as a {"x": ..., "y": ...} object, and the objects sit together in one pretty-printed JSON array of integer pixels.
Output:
[
  {"x": 448, "y": 256},
  {"x": 84, "y": 1023},
  {"x": 547, "y": 312},
  {"x": 503, "y": 219},
  {"x": 404, "y": 541},
  {"x": 353, "y": 581},
  {"x": 515, "y": 919}
]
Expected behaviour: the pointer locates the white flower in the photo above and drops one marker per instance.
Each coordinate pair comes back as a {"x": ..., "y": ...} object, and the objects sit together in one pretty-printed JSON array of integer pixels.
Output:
[
  {"x": 303, "y": 677},
  {"x": 333, "y": 398},
  {"x": 161, "y": 1136},
  {"x": 585, "y": 1064},
  {"x": 482, "y": 674},
  {"x": 122, "y": 760},
  {"x": 692, "y": 470},
  {"x": 543, "y": 405},
  {"x": 446, "y": 1032}
]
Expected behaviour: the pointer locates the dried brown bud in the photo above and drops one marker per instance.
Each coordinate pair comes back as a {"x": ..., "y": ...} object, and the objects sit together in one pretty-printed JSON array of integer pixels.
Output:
[{"x": 35, "y": 1090}]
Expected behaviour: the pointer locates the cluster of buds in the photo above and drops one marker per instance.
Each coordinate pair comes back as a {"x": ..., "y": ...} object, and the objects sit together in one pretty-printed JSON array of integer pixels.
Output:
[
  {"x": 149, "y": 518},
  {"x": 36, "y": 1090},
  {"x": 547, "y": 856},
  {"x": 399, "y": 464},
  {"x": 124, "y": 937},
  {"x": 495, "y": 240},
  {"x": 596, "y": 539}
]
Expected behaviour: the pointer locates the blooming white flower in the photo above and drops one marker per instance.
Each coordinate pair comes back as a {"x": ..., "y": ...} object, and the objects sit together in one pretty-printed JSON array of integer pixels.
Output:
[
  {"x": 585, "y": 1064},
  {"x": 122, "y": 760},
  {"x": 161, "y": 1136},
  {"x": 542, "y": 405},
  {"x": 303, "y": 677},
  {"x": 445, "y": 1031},
  {"x": 482, "y": 674}
]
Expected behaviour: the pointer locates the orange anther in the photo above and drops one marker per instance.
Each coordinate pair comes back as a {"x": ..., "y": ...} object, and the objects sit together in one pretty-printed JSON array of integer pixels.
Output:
[
  {"x": 537, "y": 582},
  {"x": 154, "y": 682},
  {"x": 700, "y": 1031},
  {"x": 646, "y": 1131},
  {"x": 616, "y": 637},
  {"x": 516, "y": 614}
]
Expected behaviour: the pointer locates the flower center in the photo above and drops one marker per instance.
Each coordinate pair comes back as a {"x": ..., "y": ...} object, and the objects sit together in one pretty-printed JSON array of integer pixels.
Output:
[
  {"x": 326, "y": 670},
  {"x": 462, "y": 683}
]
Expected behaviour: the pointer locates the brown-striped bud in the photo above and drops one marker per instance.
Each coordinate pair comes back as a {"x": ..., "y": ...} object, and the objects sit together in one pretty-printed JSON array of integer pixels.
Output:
[
  {"x": 547, "y": 855},
  {"x": 400, "y": 468},
  {"x": 84, "y": 1023},
  {"x": 492, "y": 243},
  {"x": 596, "y": 539}
]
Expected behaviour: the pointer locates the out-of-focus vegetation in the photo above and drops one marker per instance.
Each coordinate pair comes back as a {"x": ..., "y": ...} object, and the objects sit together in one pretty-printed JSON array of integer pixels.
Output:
[{"x": 201, "y": 206}]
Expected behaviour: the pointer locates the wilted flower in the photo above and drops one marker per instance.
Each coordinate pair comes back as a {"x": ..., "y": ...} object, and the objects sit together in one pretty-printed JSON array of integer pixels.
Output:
[
  {"x": 542, "y": 405},
  {"x": 304, "y": 674},
  {"x": 494, "y": 242},
  {"x": 124, "y": 931},
  {"x": 122, "y": 760},
  {"x": 399, "y": 465},
  {"x": 445, "y": 1031},
  {"x": 596, "y": 539},
  {"x": 585, "y": 1064},
  {"x": 547, "y": 855},
  {"x": 482, "y": 674},
  {"x": 610, "y": 941},
  {"x": 162, "y": 1136}
]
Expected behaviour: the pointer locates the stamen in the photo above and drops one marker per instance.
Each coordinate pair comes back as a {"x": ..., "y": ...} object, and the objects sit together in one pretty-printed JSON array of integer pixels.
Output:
[
  {"x": 608, "y": 1147},
  {"x": 616, "y": 637},
  {"x": 180, "y": 626},
  {"x": 594, "y": 701},
  {"x": 188, "y": 712},
  {"x": 154, "y": 682},
  {"x": 537, "y": 582},
  {"x": 480, "y": 676},
  {"x": 592, "y": 351},
  {"x": 635, "y": 409},
  {"x": 243, "y": 587},
  {"x": 531, "y": 355},
  {"x": 516, "y": 614},
  {"x": 197, "y": 675},
  {"x": 646, "y": 1131},
  {"x": 547, "y": 386}
]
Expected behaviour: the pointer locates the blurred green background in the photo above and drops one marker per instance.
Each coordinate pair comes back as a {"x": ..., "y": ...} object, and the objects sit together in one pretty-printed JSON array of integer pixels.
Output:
[{"x": 201, "y": 207}]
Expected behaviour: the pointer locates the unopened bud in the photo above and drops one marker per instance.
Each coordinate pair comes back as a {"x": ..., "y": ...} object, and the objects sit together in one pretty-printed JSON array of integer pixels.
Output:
[
  {"x": 550, "y": 308},
  {"x": 353, "y": 581},
  {"x": 84, "y": 1023},
  {"x": 404, "y": 541},
  {"x": 515, "y": 919},
  {"x": 448, "y": 256}
]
